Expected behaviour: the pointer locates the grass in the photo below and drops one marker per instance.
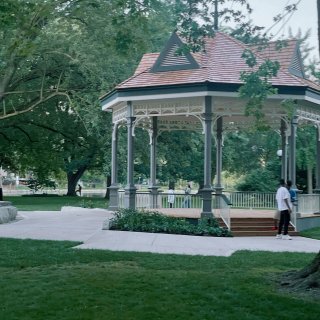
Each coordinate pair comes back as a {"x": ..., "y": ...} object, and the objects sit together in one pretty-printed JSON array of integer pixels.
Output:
[
  {"x": 36, "y": 203},
  {"x": 50, "y": 280},
  {"x": 313, "y": 233}
]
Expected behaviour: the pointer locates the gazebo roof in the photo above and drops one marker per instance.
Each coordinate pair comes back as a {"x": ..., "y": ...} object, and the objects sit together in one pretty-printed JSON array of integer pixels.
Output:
[
  {"x": 171, "y": 84},
  {"x": 220, "y": 63}
]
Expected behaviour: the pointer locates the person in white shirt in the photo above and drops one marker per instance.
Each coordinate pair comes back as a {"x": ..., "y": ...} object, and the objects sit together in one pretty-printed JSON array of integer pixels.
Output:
[
  {"x": 285, "y": 208},
  {"x": 171, "y": 195}
]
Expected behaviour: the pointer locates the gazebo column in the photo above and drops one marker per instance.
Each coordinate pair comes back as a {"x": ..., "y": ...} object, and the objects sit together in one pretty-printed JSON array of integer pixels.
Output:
[
  {"x": 114, "y": 188},
  {"x": 292, "y": 159},
  {"x": 318, "y": 161},
  {"x": 207, "y": 188},
  {"x": 130, "y": 189},
  {"x": 284, "y": 156},
  {"x": 218, "y": 186},
  {"x": 153, "y": 164}
]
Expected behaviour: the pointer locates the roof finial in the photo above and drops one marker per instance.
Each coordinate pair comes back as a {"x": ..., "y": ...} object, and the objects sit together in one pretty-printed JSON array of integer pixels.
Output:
[{"x": 216, "y": 15}]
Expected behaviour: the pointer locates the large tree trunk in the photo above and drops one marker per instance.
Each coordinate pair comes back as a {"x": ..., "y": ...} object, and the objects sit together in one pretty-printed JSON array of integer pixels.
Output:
[
  {"x": 73, "y": 179},
  {"x": 306, "y": 279}
]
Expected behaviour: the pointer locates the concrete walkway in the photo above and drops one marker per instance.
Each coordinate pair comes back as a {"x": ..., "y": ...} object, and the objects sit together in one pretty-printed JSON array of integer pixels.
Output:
[{"x": 85, "y": 225}]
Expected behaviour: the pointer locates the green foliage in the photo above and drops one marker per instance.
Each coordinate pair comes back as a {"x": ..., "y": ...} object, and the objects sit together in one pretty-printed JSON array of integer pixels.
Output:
[
  {"x": 197, "y": 19},
  {"x": 155, "y": 222},
  {"x": 260, "y": 180},
  {"x": 290, "y": 106},
  {"x": 257, "y": 86},
  {"x": 180, "y": 155},
  {"x": 245, "y": 151},
  {"x": 306, "y": 146},
  {"x": 57, "y": 58},
  {"x": 38, "y": 184}
]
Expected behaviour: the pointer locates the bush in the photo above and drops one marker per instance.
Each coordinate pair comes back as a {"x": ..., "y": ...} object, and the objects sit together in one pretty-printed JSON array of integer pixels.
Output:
[
  {"x": 155, "y": 222},
  {"x": 38, "y": 184}
]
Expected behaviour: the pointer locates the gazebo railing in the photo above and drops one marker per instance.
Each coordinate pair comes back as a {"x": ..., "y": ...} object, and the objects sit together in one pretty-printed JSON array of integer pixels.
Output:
[
  {"x": 180, "y": 201},
  {"x": 220, "y": 203},
  {"x": 308, "y": 203},
  {"x": 143, "y": 200},
  {"x": 253, "y": 200},
  {"x": 221, "y": 207}
]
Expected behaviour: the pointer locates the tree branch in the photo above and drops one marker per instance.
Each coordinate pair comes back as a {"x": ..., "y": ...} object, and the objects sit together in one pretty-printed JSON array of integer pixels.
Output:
[{"x": 36, "y": 104}]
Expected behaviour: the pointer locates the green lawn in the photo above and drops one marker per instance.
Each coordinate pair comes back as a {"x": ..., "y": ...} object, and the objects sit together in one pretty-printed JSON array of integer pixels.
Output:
[
  {"x": 34, "y": 203},
  {"x": 311, "y": 233},
  {"x": 50, "y": 280}
]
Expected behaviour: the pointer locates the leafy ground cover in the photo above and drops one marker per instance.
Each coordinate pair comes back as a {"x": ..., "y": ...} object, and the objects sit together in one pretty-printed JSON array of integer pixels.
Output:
[
  {"x": 155, "y": 222},
  {"x": 50, "y": 280},
  {"x": 54, "y": 203}
]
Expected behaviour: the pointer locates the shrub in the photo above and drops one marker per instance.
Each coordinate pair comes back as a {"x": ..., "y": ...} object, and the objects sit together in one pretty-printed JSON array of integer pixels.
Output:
[{"x": 155, "y": 222}]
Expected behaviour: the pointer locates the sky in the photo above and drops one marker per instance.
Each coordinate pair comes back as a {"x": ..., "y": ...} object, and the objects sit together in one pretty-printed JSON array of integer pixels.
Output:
[{"x": 305, "y": 18}]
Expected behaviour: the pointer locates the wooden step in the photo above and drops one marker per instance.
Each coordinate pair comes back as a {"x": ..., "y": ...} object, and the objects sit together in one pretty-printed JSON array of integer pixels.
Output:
[
  {"x": 250, "y": 227},
  {"x": 255, "y": 228}
]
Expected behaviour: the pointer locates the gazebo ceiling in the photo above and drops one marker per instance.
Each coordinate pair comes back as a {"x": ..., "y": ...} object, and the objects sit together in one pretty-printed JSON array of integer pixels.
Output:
[{"x": 173, "y": 87}]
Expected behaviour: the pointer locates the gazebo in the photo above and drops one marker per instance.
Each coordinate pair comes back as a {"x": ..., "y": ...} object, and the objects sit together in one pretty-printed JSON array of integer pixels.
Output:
[{"x": 199, "y": 91}]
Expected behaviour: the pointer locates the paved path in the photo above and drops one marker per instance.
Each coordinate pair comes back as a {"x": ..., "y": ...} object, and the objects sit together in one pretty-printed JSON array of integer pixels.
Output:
[{"x": 85, "y": 226}]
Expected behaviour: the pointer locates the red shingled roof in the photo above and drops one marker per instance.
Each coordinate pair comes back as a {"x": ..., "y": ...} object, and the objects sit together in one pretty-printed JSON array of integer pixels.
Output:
[
  {"x": 283, "y": 55},
  {"x": 220, "y": 63}
]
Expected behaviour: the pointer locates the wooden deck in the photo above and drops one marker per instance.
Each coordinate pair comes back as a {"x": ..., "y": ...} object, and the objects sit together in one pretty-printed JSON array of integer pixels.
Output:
[
  {"x": 234, "y": 213},
  {"x": 244, "y": 222}
]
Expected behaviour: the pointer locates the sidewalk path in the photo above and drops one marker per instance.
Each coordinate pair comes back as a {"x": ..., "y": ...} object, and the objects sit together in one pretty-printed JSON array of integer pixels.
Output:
[{"x": 85, "y": 225}]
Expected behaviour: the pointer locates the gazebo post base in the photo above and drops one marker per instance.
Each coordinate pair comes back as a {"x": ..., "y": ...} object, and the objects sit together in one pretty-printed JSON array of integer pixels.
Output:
[
  {"x": 218, "y": 190},
  {"x": 154, "y": 197},
  {"x": 206, "y": 203},
  {"x": 114, "y": 198},
  {"x": 130, "y": 197}
]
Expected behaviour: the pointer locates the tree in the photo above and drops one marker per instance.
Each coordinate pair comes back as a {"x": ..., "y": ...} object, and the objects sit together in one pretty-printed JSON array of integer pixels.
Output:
[
  {"x": 252, "y": 155},
  {"x": 180, "y": 156},
  {"x": 55, "y": 56}
]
